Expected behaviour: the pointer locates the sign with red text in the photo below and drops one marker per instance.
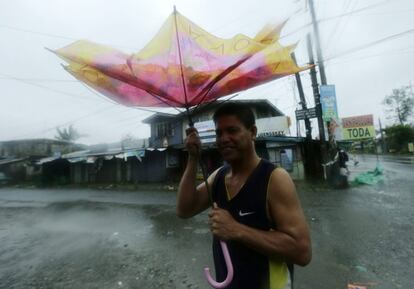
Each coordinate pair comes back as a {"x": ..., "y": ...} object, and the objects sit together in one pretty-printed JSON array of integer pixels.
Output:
[{"x": 358, "y": 127}]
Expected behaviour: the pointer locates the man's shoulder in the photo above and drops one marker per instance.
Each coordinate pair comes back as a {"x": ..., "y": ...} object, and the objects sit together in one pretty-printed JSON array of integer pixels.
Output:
[
  {"x": 279, "y": 180},
  {"x": 213, "y": 176}
]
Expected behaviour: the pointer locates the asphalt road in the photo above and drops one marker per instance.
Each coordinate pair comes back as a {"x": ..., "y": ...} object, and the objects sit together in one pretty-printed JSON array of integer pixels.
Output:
[
  {"x": 67, "y": 238},
  {"x": 363, "y": 234}
]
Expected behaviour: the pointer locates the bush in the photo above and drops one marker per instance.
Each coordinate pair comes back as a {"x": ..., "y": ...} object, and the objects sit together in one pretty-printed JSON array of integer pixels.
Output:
[{"x": 398, "y": 136}]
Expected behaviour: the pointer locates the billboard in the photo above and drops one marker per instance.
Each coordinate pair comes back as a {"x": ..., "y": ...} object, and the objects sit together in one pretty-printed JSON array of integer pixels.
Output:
[
  {"x": 206, "y": 131},
  {"x": 358, "y": 127},
  {"x": 273, "y": 126},
  {"x": 328, "y": 102}
]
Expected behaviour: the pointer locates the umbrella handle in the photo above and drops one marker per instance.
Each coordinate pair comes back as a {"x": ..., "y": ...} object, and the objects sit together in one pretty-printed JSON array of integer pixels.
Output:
[{"x": 230, "y": 272}]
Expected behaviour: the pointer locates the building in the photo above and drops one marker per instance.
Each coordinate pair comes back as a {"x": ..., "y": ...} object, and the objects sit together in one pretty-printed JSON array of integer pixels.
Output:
[
  {"x": 162, "y": 157},
  {"x": 18, "y": 158},
  {"x": 123, "y": 162},
  {"x": 273, "y": 142},
  {"x": 35, "y": 147}
]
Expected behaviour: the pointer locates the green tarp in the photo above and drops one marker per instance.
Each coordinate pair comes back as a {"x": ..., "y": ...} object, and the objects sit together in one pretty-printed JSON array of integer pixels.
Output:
[{"x": 369, "y": 177}]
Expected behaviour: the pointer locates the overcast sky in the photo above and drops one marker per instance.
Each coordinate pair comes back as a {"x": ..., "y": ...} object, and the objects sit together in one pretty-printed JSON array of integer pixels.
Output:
[{"x": 37, "y": 95}]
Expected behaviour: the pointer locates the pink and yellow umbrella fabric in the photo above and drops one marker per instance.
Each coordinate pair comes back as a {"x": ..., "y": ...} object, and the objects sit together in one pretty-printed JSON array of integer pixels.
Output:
[{"x": 182, "y": 66}]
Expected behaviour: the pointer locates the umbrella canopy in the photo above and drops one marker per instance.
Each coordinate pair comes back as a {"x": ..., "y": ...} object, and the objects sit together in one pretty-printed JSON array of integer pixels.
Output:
[{"x": 182, "y": 66}]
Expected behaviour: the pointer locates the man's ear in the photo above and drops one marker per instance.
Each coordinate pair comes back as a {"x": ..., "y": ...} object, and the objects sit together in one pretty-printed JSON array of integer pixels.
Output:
[{"x": 253, "y": 129}]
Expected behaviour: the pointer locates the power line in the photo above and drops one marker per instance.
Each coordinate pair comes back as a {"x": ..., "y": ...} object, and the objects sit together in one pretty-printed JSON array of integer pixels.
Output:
[
  {"x": 388, "y": 53},
  {"x": 46, "y": 87},
  {"x": 356, "y": 11},
  {"x": 28, "y": 81},
  {"x": 53, "y": 35},
  {"x": 114, "y": 104},
  {"x": 346, "y": 21},
  {"x": 364, "y": 46},
  {"x": 41, "y": 79},
  {"x": 350, "y": 13},
  {"x": 338, "y": 24},
  {"x": 249, "y": 13},
  {"x": 66, "y": 123}
]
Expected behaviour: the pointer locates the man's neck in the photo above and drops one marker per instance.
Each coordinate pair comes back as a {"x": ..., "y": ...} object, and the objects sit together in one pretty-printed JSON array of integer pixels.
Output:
[{"x": 245, "y": 165}]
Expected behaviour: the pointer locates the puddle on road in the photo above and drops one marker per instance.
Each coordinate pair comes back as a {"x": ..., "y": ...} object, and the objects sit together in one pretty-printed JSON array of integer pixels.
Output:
[{"x": 122, "y": 225}]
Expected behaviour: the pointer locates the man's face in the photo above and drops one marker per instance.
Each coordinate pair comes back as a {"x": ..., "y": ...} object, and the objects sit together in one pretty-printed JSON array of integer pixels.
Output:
[{"x": 233, "y": 138}]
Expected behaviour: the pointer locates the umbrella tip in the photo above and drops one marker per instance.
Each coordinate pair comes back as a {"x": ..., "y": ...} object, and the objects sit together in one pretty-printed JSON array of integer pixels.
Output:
[{"x": 175, "y": 9}]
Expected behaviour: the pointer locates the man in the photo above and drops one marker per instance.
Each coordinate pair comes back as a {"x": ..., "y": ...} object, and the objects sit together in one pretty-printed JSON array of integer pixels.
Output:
[
  {"x": 343, "y": 159},
  {"x": 256, "y": 209}
]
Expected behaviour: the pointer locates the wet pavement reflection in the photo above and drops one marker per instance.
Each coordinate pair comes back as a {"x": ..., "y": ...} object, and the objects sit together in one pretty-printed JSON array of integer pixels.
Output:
[{"x": 82, "y": 238}]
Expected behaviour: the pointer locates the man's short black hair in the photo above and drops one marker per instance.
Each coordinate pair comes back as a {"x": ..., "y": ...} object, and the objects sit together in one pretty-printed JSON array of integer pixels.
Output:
[{"x": 241, "y": 110}]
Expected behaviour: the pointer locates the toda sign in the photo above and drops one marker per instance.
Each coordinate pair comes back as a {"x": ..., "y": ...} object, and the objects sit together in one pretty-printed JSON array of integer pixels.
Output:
[{"x": 358, "y": 127}]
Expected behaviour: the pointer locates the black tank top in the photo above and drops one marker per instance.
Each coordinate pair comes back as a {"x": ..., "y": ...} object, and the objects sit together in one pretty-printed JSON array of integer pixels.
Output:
[{"x": 252, "y": 270}]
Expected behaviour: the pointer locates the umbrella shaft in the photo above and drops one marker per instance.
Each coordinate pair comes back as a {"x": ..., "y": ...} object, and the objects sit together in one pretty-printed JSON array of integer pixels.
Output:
[{"x": 201, "y": 163}]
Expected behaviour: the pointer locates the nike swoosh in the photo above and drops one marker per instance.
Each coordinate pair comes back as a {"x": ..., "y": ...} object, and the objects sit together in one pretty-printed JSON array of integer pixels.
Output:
[{"x": 241, "y": 214}]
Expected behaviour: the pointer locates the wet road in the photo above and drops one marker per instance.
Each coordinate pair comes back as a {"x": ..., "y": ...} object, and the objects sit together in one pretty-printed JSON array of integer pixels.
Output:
[
  {"x": 65, "y": 238},
  {"x": 365, "y": 233}
]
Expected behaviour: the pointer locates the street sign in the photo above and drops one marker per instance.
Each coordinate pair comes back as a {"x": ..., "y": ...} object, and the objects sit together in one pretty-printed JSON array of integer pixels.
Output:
[
  {"x": 306, "y": 113},
  {"x": 358, "y": 127}
]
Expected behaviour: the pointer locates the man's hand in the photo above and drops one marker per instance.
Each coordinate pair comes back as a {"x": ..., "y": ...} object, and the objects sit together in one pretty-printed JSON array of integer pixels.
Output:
[
  {"x": 192, "y": 142},
  {"x": 222, "y": 224}
]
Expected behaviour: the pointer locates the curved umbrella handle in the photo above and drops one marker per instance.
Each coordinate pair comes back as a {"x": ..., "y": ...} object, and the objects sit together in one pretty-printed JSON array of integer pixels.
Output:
[{"x": 230, "y": 271}]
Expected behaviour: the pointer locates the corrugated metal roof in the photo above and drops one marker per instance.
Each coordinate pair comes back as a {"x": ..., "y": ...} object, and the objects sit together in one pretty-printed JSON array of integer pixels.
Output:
[
  {"x": 47, "y": 160},
  {"x": 7, "y": 161}
]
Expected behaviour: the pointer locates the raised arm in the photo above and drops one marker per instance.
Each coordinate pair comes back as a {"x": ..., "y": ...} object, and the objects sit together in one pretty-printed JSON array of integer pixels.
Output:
[{"x": 192, "y": 199}]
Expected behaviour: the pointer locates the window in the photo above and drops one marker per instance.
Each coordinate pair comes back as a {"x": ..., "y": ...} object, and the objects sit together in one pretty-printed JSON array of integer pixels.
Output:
[
  {"x": 164, "y": 129},
  {"x": 286, "y": 159},
  {"x": 261, "y": 112}
]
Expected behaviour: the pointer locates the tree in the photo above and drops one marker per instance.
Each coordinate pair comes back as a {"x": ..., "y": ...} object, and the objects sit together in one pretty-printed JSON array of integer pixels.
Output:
[
  {"x": 130, "y": 141},
  {"x": 400, "y": 104},
  {"x": 398, "y": 137},
  {"x": 68, "y": 134}
]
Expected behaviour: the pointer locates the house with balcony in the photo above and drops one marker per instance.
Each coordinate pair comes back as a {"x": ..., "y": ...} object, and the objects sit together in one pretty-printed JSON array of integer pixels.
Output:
[{"x": 273, "y": 142}]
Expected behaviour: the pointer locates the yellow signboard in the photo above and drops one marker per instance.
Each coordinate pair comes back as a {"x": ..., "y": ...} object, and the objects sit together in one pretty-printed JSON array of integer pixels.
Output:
[
  {"x": 358, "y": 127},
  {"x": 411, "y": 147}
]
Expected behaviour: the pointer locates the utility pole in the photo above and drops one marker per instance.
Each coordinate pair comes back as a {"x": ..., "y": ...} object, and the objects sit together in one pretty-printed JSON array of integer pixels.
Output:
[
  {"x": 317, "y": 43},
  {"x": 302, "y": 100},
  {"x": 315, "y": 87}
]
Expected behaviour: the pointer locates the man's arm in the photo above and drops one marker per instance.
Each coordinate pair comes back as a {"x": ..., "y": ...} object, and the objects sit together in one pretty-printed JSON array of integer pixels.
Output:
[
  {"x": 291, "y": 239},
  {"x": 192, "y": 199}
]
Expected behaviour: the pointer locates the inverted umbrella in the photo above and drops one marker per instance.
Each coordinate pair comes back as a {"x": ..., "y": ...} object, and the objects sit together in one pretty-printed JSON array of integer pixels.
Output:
[{"x": 183, "y": 66}]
